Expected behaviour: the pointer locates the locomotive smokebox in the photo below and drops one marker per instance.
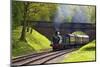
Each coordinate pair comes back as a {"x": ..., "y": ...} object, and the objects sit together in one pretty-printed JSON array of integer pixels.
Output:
[{"x": 57, "y": 33}]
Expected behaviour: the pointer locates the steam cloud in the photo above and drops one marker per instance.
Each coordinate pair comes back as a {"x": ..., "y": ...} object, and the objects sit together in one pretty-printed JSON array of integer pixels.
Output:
[
  {"x": 61, "y": 15},
  {"x": 76, "y": 12}
]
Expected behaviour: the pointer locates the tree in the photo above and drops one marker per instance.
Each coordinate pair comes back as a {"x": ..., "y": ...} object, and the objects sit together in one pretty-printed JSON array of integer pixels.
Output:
[
  {"x": 23, "y": 33},
  {"x": 90, "y": 12},
  {"x": 24, "y": 12},
  {"x": 17, "y": 13}
]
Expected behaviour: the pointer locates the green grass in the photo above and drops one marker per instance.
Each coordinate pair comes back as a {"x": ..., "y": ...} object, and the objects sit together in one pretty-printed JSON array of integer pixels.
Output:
[
  {"x": 86, "y": 53},
  {"x": 35, "y": 42},
  {"x": 38, "y": 41}
]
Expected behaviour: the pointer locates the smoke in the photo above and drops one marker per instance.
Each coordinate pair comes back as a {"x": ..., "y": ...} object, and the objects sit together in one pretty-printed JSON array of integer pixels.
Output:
[
  {"x": 80, "y": 15},
  {"x": 61, "y": 15},
  {"x": 77, "y": 14}
]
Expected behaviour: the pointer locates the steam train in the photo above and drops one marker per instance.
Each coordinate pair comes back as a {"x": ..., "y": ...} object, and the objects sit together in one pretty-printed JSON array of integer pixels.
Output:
[{"x": 67, "y": 41}]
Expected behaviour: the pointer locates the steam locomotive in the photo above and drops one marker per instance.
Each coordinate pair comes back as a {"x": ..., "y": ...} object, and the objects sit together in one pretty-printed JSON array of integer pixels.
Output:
[{"x": 67, "y": 41}]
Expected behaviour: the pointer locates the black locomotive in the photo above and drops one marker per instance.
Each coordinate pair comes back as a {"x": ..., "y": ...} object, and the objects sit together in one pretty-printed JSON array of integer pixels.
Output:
[{"x": 67, "y": 41}]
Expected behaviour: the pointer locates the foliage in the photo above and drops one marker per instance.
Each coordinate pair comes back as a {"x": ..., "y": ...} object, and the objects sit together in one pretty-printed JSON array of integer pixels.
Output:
[
  {"x": 17, "y": 13},
  {"x": 91, "y": 12},
  {"x": 40, "y": 11},
  {"x": 87, "y": 12}
]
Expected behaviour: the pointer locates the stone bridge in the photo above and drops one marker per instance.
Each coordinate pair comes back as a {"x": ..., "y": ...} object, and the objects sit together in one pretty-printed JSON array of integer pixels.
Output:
[{"x": 47, "y": 28}]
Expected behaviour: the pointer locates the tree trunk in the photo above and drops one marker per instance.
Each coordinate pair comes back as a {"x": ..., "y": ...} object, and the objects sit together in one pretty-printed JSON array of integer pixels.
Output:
[
  {"x": 28, "y": 27},
  {"x": 23, "y": 33},
  {"x": 31, "y": 30}
]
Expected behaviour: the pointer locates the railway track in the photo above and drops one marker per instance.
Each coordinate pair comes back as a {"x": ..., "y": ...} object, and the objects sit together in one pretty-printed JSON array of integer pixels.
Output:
[
  {"x": 41, "y": 58},
  {"x": 21, "y": 58}
]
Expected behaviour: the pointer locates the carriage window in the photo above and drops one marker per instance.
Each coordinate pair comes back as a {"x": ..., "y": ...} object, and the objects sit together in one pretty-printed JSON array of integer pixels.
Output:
[
  {"x": 72, "y": 40},
  {"x": 67, "y": 40}
]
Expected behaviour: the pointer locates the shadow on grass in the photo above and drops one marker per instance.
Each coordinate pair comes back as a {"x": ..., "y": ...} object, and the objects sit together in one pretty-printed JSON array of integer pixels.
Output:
[
  {"x": 90, "y": 48},
  {"x": 21, "y": 48}
]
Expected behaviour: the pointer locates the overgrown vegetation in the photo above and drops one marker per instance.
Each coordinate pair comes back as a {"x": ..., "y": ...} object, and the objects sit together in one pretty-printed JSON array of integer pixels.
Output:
[
  {"x": 25, "y": 42},
  {"x": 86, "y": 53},
  {"x": 35, "y": 42}
]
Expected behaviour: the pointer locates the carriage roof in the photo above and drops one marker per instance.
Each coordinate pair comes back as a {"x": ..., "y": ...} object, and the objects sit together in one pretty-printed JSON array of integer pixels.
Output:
[{"x": 77, "y": 35}]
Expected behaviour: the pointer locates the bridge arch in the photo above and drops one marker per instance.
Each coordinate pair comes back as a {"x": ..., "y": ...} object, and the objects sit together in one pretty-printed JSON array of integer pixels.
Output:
[{"x": 47, "y": 29}]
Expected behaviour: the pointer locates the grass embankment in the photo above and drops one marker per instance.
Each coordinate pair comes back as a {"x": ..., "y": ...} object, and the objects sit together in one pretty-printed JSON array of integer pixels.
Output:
[
  {"x": 35, "y": 42},
  {"x": 86, "y": 53}
]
